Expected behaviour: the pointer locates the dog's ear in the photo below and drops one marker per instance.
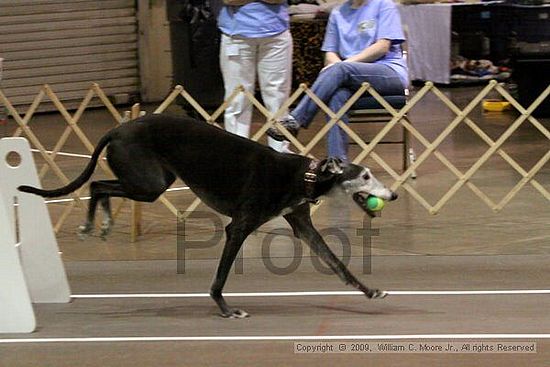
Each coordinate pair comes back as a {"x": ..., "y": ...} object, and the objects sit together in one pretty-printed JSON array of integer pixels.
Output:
[{"x": 332, "y": 166}]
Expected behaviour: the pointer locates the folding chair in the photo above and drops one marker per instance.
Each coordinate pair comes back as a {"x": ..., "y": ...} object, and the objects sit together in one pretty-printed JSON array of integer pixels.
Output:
[{"x": 368, "y": 110}]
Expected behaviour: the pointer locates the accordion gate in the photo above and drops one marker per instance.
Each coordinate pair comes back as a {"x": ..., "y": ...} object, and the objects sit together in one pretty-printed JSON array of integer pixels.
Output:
[{"x": 367, "y": 150}]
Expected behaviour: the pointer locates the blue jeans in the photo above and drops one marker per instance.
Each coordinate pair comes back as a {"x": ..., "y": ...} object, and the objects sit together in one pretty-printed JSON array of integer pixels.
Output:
[{"x": 335, "y": 86}]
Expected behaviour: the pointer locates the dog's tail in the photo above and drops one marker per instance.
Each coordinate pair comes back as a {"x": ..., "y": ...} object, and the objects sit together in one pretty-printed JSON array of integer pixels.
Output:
[{"x": 79, "y": 181}]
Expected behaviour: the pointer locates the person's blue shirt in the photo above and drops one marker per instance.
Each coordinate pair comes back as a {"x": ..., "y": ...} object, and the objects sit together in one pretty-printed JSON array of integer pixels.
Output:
[
  {"x": 350, "y": 31},
  {"x": 254, "y": 20}
]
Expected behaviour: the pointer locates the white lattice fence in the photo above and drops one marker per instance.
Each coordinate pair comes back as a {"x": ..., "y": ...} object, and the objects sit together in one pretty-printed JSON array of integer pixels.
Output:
[
  {"x": 366, "y": 149},
  {"x": 431, "y": 148}
]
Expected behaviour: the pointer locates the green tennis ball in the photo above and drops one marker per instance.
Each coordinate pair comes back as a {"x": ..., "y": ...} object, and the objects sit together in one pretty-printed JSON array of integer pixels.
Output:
[{"x": 375, "y": 204}]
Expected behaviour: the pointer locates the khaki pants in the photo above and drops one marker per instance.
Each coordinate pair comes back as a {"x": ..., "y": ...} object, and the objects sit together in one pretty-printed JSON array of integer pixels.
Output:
[{"x": 240, "y": 60}]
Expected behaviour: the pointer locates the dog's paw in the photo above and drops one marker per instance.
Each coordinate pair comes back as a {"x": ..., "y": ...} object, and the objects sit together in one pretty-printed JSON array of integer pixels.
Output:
[
  {"x": 235, "y": 314},
  {"x": 106, "y": 226},
  {"x": 376, "y": 293},
  {"x": 84, "y": 230},
  {"x": 104, "y": 233}
]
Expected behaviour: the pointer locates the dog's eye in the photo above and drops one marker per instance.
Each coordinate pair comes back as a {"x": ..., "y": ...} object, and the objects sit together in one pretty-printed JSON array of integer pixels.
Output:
[{"x": 366, "y": 176}]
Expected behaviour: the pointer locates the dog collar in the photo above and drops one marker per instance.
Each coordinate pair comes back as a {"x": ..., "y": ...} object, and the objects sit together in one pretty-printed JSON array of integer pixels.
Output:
[{"x": 310, "y": 178}]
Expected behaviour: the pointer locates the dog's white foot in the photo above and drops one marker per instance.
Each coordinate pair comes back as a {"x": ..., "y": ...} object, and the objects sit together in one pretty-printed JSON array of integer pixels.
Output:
[
  {"x": 382, "y": 294},
  {"x": 235, "y": 314},
  {"x": 84, "y": 230},
  {"x": 106, "y": 228},
  {"x": 377, "y": 294}
]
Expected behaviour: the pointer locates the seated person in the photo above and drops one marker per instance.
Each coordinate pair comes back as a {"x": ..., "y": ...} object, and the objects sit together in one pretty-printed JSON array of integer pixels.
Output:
[{"x": 362, "y": 44}]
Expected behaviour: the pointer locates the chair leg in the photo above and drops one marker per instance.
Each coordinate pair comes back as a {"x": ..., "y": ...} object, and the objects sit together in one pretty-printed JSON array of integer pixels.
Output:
[
  {"x": 405, "y": 149},
  {"x": 406, "y": 145},
  {"x": 412, "y": 159},
  {"x": 409, "y": 156}
]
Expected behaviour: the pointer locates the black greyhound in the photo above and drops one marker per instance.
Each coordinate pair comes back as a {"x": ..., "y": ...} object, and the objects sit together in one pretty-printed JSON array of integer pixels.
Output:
[{"x": 237, "y": 177}]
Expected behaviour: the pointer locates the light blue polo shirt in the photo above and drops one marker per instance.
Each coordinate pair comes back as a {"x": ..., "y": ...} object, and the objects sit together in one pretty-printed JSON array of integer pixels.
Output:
[
  {"x": 350, "y": 31},
  {"x": 254, "y": 20}
]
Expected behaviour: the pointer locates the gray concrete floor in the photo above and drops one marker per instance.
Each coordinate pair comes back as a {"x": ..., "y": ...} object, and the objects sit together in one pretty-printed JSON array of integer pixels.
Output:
[{"x": 465, "y": 247}]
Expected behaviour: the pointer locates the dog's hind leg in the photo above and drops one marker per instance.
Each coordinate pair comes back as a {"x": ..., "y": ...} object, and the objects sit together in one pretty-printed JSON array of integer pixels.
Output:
[
  {"x": 100, "y": 191},
  {"x": 105, "y": 202},
  {"x": 300, "y": 221},
  {"x": 236, "y": 233},
  {"x": 107, "y": 221}
]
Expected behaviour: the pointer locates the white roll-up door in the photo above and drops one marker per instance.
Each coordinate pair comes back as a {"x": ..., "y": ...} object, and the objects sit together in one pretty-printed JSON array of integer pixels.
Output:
[{"x": 68, "y": 45}]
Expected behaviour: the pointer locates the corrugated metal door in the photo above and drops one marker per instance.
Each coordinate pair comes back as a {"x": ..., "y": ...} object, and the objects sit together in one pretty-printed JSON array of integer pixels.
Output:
[{"x": 68, "y": 45}]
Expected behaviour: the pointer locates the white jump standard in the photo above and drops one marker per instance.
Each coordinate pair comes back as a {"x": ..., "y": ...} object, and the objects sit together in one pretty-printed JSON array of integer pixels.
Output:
[{"x": 32, "y": 270}]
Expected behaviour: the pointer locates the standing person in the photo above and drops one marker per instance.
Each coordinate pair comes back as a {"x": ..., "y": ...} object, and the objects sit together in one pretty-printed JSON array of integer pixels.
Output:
[
  {"x": 255, "y": 40},
  {"x": 362, "y": 44}
]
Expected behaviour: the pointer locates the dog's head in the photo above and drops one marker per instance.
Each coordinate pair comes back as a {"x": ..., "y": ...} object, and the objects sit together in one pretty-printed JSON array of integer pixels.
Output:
[{"x": 354, "y": 180}]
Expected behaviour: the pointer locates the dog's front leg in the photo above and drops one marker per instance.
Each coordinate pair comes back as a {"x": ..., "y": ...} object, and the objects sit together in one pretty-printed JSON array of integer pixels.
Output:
[
  {"x": 300, "y": 220},
  {"x": 236, "y": 233}
]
